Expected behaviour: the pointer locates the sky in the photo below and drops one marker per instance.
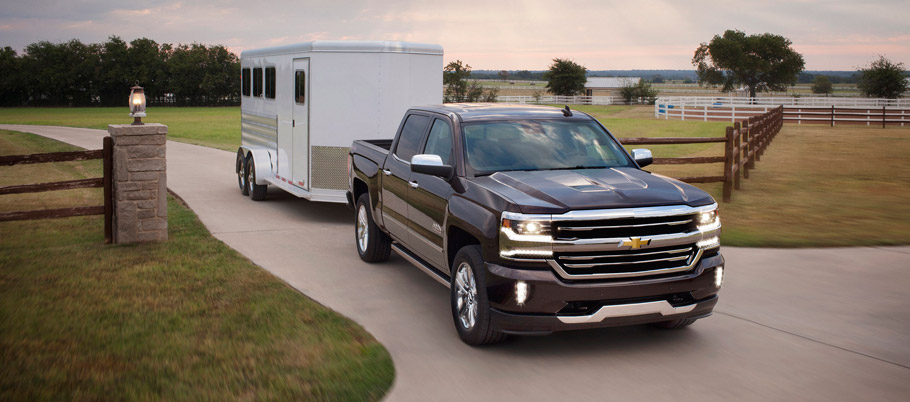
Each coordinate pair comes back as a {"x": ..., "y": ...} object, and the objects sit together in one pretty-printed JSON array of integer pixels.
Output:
[{"x": 494, "y": 35}]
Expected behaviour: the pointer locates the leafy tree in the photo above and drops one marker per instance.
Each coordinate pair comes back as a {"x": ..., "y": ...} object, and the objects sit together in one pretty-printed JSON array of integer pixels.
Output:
[
  {"x": 503, "y": 75},
  {"x": 883, "y": 79},
  {"x": 760, "y": 62},
  {"x": 565, "y": 77},
  {"x": 12, "y": 88},
  {"x": 523, "y": 75},
  {"x": 455, "y": 78},
  {"x": 642, "y": 89},
  {"x": 822, "y": 85},
  {"x": 657, "y": 79}
]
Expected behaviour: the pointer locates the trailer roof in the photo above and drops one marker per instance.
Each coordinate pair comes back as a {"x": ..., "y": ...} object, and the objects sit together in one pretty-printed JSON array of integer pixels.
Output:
[
  {"x": 498, "y": 111},
  {"x": 344, "y": 46}
]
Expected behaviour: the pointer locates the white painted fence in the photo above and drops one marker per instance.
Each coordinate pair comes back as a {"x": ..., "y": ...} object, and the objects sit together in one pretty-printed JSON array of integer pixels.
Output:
[{"x": 562, "y": 100}]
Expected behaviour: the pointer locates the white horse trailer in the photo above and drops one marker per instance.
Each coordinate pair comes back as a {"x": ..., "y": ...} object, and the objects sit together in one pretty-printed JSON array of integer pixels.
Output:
[{"x": 302, "y": 105}]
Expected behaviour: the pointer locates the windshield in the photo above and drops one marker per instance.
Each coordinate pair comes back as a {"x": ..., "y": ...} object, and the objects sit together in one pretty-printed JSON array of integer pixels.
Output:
[{"x": 540, "y": 145}]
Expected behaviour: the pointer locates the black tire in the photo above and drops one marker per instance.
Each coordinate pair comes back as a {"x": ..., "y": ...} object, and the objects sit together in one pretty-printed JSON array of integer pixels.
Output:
[
  {"x": 255, "y": 191},
  {"x": 674, "y": 324},
  {"x": 481, "y": 332},
  {"x": 241, "y": 173},
  {"x": 373, "y": 245}
]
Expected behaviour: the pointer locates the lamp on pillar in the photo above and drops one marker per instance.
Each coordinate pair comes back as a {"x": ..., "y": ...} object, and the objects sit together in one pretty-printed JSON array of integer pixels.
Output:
[{"x": 137, "y": 104}]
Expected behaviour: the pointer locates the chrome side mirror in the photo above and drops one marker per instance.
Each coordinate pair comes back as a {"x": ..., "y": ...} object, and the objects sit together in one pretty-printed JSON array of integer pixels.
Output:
[
  {"x": 432, "y": 165},
  {"x": 642, "y": 157}
]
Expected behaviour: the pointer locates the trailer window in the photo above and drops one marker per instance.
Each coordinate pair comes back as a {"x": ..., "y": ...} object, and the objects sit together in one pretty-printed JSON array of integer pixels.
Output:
[
  {"x": 411, "y": 137},
  {"x": 257, "y": 81},
  {"x": 439, "y": 141},
  {"x": 270, "y": 82},
  {"x": 245, "y": 81},
  {"x": 300, "y": 87}
]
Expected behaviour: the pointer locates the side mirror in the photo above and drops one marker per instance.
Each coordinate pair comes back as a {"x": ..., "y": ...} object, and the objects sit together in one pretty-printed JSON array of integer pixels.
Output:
[
  {"x": 432, "y": 165},
  {"x": 642, "y": 157}
]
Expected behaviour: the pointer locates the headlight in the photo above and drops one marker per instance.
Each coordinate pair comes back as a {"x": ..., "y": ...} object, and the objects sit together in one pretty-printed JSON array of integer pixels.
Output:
[
  {"x": 708, "y": 217},
  {"x": 525, "y": 237},
  {"x": 533, "y": 228}
]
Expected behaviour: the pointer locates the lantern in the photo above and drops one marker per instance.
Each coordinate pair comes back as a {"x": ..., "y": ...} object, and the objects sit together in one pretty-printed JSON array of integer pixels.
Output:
[{"x": 137, "y": 104}]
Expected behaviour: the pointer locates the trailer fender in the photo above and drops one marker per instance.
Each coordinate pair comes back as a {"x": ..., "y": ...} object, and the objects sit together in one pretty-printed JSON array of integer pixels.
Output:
[{"x": 262, "y": 161}]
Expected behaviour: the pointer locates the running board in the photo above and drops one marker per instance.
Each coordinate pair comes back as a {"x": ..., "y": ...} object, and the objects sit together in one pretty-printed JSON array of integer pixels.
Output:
[{"x": 432, "y": 272}]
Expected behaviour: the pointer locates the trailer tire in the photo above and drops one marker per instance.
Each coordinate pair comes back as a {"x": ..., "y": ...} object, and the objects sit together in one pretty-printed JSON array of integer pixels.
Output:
[
  {"x": 256, "y": 191},
  {"x": 470, "y": 303},
  {"x": 373, "y": 245},
  {"x": 241, "y": 173}
]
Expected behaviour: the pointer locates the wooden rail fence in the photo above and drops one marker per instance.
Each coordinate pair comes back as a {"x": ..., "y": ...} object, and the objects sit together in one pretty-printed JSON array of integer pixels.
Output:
[
  {"x": 744, "y": 143},
  {"x": 106, "y": 182}
]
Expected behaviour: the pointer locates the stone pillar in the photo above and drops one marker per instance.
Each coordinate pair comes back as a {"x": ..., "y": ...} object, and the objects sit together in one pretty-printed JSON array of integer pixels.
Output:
[{"x": 139, "y": 182}]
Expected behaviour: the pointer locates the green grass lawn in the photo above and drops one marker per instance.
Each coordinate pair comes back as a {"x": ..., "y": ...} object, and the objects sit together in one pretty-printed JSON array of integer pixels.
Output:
[
  {"x": 216, "y": 127},
  {"x": 186, "y": 319}
]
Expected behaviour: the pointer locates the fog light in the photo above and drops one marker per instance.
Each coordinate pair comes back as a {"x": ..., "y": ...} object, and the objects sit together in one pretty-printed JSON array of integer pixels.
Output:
[
  {"x": 719, "y": 276},
  {"x": 521, "y": 292}
]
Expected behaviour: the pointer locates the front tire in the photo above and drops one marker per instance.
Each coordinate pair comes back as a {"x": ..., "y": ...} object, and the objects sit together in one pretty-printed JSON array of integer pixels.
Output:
[
  {"x": 470, "y": 304},
  {"x": 255, "y": 191},
  {"x": 241, "y": 169},
  {"x": 372, "y": 244}
]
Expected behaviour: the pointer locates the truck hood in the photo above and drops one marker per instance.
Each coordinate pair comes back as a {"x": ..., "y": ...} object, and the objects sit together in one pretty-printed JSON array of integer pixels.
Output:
[{"x": 559, "y": 191}]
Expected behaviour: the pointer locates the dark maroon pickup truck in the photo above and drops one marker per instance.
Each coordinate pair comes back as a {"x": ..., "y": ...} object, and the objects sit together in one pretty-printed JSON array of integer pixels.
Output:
[{"x": 537, "y": 219}]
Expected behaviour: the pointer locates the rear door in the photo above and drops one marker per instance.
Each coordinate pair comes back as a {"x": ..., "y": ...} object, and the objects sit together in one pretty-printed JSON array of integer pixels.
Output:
[
  {"x": 395, "y": 175},
  {"x": 301, "y": 124}
]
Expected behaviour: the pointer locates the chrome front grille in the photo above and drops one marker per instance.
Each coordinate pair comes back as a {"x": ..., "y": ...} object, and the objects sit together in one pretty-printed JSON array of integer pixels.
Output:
[
  {"x": 627, "y": 227},
  {"x": 627, "y": 263}
]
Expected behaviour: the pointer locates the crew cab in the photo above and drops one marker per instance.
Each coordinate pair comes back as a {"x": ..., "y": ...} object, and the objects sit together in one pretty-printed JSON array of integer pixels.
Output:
[{"x": 536, "y": 219}]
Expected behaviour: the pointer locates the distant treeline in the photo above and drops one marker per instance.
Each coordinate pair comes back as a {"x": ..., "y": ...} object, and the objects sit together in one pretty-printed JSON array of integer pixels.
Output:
[
  {"x": 78, "y": 74},
  {"x": 657, "y": 76}
]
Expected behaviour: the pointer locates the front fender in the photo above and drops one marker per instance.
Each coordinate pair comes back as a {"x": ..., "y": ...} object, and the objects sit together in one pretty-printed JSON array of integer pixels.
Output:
[{"x": 478, "y": 222}]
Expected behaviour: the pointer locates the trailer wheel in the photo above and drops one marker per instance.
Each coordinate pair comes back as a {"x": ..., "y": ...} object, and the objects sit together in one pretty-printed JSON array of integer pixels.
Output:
[
  {"x": 241, "y": 173},
  {"x": 372, "y": 244},
  {"x": 470, "y": 304},
  {"x": 256, "y": 191}
]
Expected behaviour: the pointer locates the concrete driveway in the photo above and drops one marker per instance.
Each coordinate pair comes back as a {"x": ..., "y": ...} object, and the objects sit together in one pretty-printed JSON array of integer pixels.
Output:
[{"x": 806, "y": 325}]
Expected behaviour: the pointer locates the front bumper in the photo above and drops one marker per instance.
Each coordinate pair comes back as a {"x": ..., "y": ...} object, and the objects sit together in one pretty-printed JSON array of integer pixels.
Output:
[{"x": 553, "y": 304}]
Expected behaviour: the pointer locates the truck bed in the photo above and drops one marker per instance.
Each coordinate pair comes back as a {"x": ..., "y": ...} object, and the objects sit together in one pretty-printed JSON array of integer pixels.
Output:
[{"x": 374, "y": 150}]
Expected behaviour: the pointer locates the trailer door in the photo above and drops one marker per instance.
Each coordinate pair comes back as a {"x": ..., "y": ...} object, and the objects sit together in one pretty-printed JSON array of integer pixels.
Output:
[{"x": 301, "y": 124}]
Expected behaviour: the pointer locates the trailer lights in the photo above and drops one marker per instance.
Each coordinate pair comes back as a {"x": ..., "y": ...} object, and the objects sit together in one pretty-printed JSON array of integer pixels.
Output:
[
  {"x": 137, "y": 104},
  {"x": 521, "y": 292}
]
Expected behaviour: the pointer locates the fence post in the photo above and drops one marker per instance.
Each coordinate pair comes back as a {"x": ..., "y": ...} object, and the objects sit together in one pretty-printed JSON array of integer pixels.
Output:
[
  {"x": 107, "y": 153},
  {"x": 832, "y": 115},
  {"x": 139, "y": 182},
  {"x": 883, "y": 117},
  {"x": 728, "y": 165},
  {"x": 747, "y": 146},
  {"x": 737, "y": 152}
]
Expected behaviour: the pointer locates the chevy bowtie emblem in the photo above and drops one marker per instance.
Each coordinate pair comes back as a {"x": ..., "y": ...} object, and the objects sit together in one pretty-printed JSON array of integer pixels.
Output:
[{"x": 635, "y": 242}]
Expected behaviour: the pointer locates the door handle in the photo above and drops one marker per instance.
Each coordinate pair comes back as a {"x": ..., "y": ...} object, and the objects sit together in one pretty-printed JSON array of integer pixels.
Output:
[
  {"x": 387, "y": 172},
  {"x": 414, "y": 184}
]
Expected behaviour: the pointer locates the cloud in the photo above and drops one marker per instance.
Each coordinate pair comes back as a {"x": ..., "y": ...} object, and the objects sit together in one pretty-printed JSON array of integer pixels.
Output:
[{"x": 832, "y": 34}]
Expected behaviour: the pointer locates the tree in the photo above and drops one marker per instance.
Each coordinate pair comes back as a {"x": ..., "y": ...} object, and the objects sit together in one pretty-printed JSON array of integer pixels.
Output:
[
  {"x": 566, "y": 78},
  {"x": 12, "y": 87},
  {"x": 883, "y": 79},
  {"x": 455, "y": 78},
  {"x": 760, "y": 62},
  {"x": 503, "y": 75},
  {"x": 822, "y": 85},
  {"x": 642, "y": 89}
]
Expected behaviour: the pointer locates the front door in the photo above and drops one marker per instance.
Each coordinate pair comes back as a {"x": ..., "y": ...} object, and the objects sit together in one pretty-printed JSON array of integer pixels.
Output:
[
  {"x": 301, "y": 124},
  {"x": 428, "y": 198}
]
